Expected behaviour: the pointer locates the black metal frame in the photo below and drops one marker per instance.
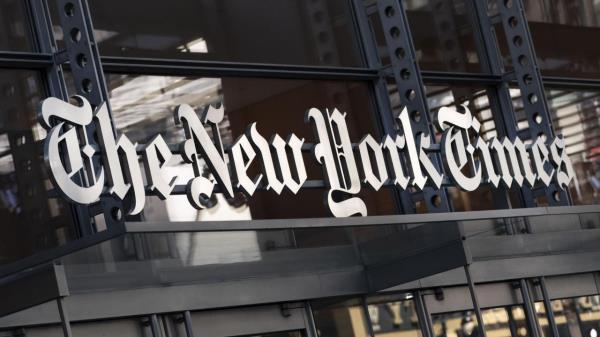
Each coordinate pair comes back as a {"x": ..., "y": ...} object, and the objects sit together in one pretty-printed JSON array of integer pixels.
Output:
[{"x": 89, "y": 79}]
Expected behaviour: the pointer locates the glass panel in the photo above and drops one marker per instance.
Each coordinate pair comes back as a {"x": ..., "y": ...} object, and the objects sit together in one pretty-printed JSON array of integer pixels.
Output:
[
  {"x": 394, "y": 317},
  {"x": 306, "y": 33},
  {"x": 443, "y": 35},
  {"x": 475, "y": 98},
  {"x": 143, "y": 107},
  {"x": 505, "y": 322},
  {"x": 576, "y": 116},
  {"x": 232, "y": 256},
  {"x": 577, "y": 317},
  {"x": 31, "y": 220},
  {"x": 341, "y": 319},
  {"x": 542, "y": 319},
  {"x": 15, "y": 33},
  {"x": 562, "y": 31},
  {"x": 544, "y": 223},
  {"x": 455, "y": 324}
]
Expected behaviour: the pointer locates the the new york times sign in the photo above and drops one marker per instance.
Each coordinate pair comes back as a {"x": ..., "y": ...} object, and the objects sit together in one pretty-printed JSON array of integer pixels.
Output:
[{"x": 398, "y": 159}]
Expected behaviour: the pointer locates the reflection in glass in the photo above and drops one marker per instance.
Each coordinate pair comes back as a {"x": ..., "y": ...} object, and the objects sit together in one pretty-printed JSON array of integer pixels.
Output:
[
  {"x": 475, "y": 98},
  {"x": 505, "y": 322},
  {"x": 307, "y": 33},
  {"x": 31, "y": 221},
  {"x": 340, "y": 319},
  {"x": 15, "y": 34},
  {"x": 394, "y": 318},
  {"x": 442, "y": 33},
  {"x": 577, "y": 317},
  {"x": 455, "y": 324},
  {"x": 561, "y": 31},
  {"x": 498, "y": 322},
  {"x": 542, "y": 319},
  {"x": 576, "y": 116},
  {"x": 159, "y": 259}
]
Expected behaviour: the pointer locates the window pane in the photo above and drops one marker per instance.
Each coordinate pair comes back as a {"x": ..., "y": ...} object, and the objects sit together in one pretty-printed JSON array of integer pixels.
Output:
[
  {"x": 267, "y": 31},
  {"x": 476, "y": 99},
  {"x": 342, "y": 319},
  {"x": 577, "y": 317},
  {"x": 394, "y": 317},
  {"x": 143, "y": 107},
  {"x": 15, "y": 34},
  {"x": 542, "y": 318},
  {"x": 562, "y": 31},
  {"x": 443, "y": 35},
  {"x": 576, "y": 116},
  {"x": 455, "y": 324},
  {"x": 31, "y": 220},
  {"x": 505, "y": 322}
]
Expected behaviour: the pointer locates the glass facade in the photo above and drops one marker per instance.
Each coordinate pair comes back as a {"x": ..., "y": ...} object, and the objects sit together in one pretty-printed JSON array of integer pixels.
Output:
[
  {"x": 560, "y": 30},
  {"x": 436, "y": 262},
  {"x": 32, "y": 221},
  {"x": 230, "y": 31},
  {"x": 16, "y": 34}
]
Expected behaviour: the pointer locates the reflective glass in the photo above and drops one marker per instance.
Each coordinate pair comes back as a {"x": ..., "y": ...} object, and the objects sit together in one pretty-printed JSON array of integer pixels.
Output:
[
  {"x": 542, "y": 319},
  {"x": 142, "y": 260},
  {"x": 576, "y": 116},
  {"x": 562, "y": 31},
  {"x": 143, "y": 107},
  {"x": 394, "y": 317},
  {"x": 455, "y": 324},
  {"x": 15, "y": 33},
  {"x": 543, "y": 223},
  {"x": 505, "y": 322},
  {"x": 442, "y": 32},
  {"x": 266, "y": 31},
  {"x": 476, "y": 99},
  {"x": 340, "y": 319},
  {"x": 31, "y": 220},
  {"x": 575, "y": 317}
]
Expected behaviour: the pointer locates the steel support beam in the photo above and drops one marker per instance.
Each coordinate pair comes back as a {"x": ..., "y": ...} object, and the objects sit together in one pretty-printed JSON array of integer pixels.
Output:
[{"x": 409, "y": 84}]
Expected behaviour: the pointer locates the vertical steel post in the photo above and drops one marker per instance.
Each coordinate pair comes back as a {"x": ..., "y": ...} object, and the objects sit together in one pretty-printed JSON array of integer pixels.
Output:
[
  {"x": 423, "y": 315},
  {"x": 155, "y": 326},
  {"x": 187, "y": 321},
  {"x": 480, "y": 324},
  {"x": 311, "y": 328},
  {"x": 55, "y": 86},
  {"x": 86, "y": 69},
  {"x": 528, "y": 77},
  {"x": 409, "y": 83},
  {"x": 369, "y": 47},
  {"x": 367, "y": 316},
  {"x": 530, "y": 313},
  {"x": 64, "y": 317},
  {"x": 548, "y": 307}
]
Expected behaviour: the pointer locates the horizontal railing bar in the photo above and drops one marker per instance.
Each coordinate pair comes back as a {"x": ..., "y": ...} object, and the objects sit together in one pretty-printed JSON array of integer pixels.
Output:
[
  {"x": 25, "y": 60},
  {"x": 218, "y": 69},
  {"x": 276, "y": 224}
]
